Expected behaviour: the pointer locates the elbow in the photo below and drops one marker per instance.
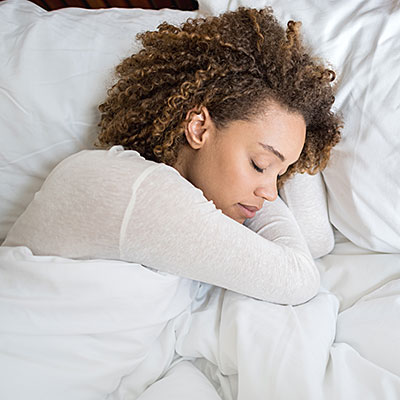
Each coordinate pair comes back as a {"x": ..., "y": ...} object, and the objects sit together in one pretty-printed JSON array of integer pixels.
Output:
[
  {"x": 323, "y": 246},
  {"x": 298, "y": 283},
  {"x": 306, "y": 292},
  {"x": 307, "y": 284},
  {"x": 306, "y": 289}
]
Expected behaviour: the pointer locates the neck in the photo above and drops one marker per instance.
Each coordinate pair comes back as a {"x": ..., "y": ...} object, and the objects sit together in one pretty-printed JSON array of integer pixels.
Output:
[{"x": 181, "y": 162}]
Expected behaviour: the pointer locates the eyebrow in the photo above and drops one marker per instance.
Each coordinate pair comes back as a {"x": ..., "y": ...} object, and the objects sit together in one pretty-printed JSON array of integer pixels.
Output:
[{"x": 272, "y": 150}]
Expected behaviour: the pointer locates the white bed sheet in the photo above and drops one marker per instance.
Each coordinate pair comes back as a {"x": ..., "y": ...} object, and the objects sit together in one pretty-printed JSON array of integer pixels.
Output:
[{"x": 114, "y": 330}]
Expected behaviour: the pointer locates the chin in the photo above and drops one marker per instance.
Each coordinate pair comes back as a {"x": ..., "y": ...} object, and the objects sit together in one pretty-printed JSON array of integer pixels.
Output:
[{"x": 240, "y": 220}]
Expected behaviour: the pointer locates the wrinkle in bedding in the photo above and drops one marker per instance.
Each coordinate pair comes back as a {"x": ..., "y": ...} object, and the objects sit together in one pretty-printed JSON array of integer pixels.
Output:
[{"x": 117, "y": 330}]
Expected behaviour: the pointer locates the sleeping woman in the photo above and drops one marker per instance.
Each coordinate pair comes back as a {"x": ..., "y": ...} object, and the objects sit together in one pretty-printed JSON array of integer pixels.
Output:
[{"x": 201, "y": 132}]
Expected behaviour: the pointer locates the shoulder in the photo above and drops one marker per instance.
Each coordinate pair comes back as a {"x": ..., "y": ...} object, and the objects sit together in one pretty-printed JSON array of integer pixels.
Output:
[
  {"x": 106, "y": 160},
  {"x": 113, "y": 167},
  {"x": 117, "y": 170}
]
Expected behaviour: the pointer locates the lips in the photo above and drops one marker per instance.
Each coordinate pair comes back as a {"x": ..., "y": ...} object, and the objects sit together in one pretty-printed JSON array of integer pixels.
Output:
[
  {"x": 248, "y": 211},
  {"x": 251, "y": 208}
]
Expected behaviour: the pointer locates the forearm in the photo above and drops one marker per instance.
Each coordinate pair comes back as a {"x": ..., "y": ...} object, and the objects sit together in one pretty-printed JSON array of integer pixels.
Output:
[
  {"x": 305, "y": 195},
  {"x": 191, "y": 238},
  {"x": 276, "y": 223}
]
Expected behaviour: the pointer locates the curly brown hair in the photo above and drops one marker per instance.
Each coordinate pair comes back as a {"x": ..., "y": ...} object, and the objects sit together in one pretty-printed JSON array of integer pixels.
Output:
[{"x": 233, "y": 65}]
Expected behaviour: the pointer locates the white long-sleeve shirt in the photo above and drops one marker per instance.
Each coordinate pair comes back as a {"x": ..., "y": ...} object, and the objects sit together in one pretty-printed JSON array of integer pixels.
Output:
[{"x": 117, "y": 205}]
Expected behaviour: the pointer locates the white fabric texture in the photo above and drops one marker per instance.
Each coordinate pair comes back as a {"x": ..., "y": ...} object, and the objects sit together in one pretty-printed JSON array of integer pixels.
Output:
[
  {"x": 116, "y": 205},
  {"x": 360, "y": 40},
  {"x": 57, "y": 65},
  {"x": 115, "y": 330},
  {"x": 305, "y": 195},
  {"x": 55, "y": 70},
  {"x": 182, "y": 381},
  {"x": 97, "y": 329}
]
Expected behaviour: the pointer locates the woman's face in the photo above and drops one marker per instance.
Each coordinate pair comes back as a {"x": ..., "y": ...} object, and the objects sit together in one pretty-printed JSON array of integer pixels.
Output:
[{"x": 237, "y": 167}]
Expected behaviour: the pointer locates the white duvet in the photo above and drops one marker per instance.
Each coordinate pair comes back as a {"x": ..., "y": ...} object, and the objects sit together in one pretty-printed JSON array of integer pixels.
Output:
[
  {"x": 114, "y": 330},
  {"x": 83, "y": 330}
]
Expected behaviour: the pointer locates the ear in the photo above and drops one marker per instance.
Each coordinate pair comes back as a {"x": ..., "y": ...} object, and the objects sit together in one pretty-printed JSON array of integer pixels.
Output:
[{"x": 198, "y": 128}]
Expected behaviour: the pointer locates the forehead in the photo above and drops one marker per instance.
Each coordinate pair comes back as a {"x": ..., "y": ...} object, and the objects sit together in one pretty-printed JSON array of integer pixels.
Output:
[
  {"x": 279, "y": 135},
  {"x": 275, "y": 127}
]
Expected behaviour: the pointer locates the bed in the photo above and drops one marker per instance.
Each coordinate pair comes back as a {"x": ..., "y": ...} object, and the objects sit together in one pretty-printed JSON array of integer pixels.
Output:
[{"x": 97, "y": 329}]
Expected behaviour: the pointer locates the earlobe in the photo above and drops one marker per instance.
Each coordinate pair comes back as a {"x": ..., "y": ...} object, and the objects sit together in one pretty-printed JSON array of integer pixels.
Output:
[{"x": 197, "y": 128}]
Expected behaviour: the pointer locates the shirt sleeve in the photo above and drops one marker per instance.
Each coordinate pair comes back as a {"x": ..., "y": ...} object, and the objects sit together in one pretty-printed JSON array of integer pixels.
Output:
[
  {"x": 305, "y": 195},
  {"x": 169, "y": 225},
  {"x": 117, "y": 205}
]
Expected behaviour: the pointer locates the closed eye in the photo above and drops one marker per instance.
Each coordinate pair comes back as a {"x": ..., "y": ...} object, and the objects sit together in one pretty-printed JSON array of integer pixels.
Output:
[{"x": 257, "y": 168}]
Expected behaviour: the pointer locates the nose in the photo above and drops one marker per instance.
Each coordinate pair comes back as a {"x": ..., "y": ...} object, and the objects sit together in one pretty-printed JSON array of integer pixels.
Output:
[{"x": 268, "y": 191}]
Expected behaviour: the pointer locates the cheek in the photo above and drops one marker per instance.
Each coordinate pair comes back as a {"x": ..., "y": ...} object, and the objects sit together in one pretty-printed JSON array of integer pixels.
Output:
[
  {"x": 230, "y": 174},
  {"x": 237, "y": 179}
]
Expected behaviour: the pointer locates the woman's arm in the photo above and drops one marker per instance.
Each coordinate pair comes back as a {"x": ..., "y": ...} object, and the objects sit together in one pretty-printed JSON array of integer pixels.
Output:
[
  {"x": 116, "y": 205},
  {"x": 305, "y": 195},
  {"x": 184, "y": 234}
]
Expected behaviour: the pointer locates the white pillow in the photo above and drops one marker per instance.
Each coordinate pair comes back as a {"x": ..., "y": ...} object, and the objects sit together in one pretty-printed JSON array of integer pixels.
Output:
[
  {"x": 55, "y": 69},
  {"x": 361, "y": 40}
]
